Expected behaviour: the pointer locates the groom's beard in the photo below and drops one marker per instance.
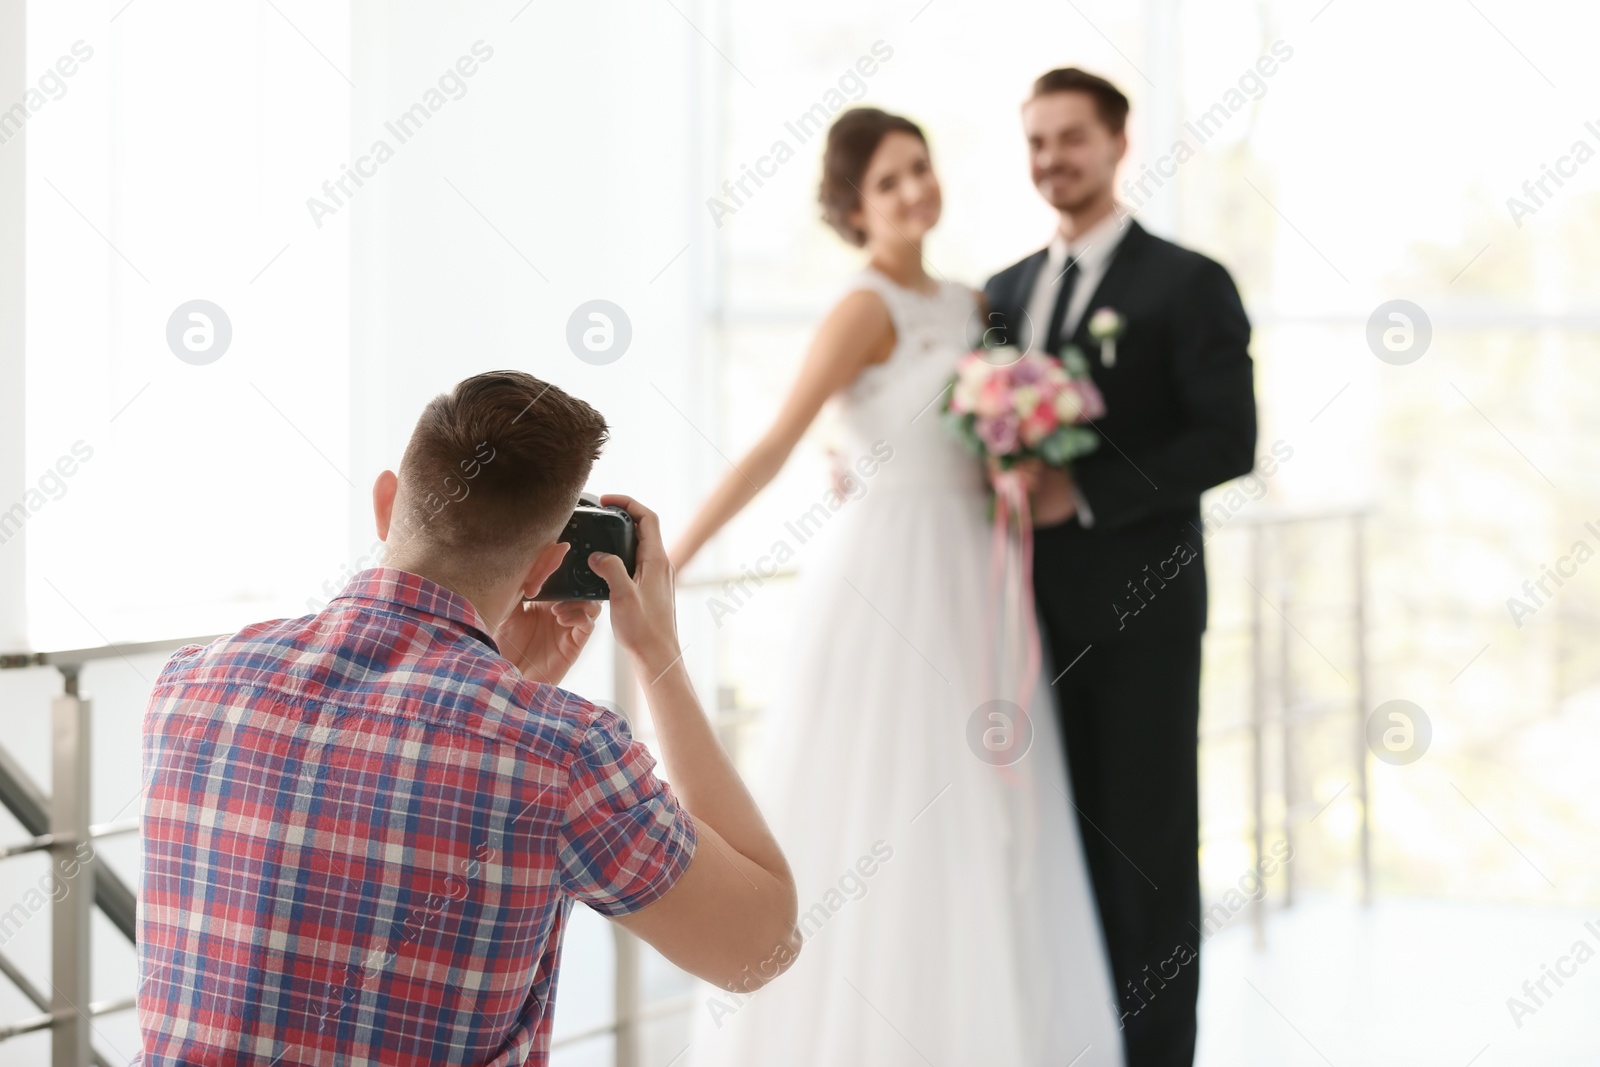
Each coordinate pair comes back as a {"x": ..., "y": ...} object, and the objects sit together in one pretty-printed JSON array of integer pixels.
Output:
[
  {"x": 1063, "y": 191},
  {"x": 1078, "y": 201}
]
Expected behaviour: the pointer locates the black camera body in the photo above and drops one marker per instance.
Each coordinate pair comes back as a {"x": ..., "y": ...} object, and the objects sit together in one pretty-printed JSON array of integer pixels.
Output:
[{"x": 592, "y": 528}]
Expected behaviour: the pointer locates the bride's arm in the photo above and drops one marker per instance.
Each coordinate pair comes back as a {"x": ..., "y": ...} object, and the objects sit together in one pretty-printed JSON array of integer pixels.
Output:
[{"x": 857, "y": 332}]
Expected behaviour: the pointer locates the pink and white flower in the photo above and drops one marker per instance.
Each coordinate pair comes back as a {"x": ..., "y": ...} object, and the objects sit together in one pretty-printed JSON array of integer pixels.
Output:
[{"x": 1014, "y": 406}]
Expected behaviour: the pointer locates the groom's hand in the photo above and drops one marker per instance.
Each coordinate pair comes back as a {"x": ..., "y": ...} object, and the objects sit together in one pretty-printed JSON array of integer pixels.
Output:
[
  {"x": 1054, "y": 499},
  {"x": 1050, "y": 490},
  {"x": 1051, "y": 498}
]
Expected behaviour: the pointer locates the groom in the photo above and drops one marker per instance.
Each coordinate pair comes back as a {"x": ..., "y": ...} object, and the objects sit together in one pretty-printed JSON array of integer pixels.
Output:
[{"x": 1119, "y": 573}]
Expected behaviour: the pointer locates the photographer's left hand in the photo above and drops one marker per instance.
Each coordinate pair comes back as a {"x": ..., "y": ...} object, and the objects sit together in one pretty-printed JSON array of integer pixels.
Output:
[{"x": 543, "y": 638}]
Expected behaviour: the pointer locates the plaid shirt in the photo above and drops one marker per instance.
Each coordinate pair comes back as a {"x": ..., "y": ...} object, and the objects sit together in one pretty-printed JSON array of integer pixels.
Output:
[{"x": 363, "y": 832}]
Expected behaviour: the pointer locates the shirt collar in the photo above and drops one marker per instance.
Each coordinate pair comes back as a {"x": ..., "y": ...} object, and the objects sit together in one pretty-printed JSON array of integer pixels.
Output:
[
  {"x": 414, "y": 594},
  {"x": 1091, "y": 248}
]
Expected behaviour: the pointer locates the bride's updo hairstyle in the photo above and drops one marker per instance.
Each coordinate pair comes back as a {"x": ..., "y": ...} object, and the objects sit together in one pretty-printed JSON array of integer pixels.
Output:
[{"x": 852, "y": 139}]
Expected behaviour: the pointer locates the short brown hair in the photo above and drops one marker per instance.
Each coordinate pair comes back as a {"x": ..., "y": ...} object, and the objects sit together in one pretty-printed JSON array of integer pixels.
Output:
[
  {"x": 852, "y": 139},
  {"x": 494, "y": 467},
  {"x": 1109, "y": 103}
]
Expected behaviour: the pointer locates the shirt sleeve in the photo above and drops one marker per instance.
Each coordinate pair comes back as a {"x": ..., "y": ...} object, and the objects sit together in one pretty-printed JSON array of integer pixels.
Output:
[{"x": 625, "y": 839}]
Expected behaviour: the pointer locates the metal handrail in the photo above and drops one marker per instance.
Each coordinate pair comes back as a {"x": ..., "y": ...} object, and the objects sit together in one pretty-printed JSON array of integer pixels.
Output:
[
  {"x": 44, "y": 841},
  {"x": 45, "y": 1022},
  {"x": 59, "y": 824},
  {"x": 72, "y": 659},
  {"x": 649, "y": 1012},
  {"x": 30, "y": 805}
]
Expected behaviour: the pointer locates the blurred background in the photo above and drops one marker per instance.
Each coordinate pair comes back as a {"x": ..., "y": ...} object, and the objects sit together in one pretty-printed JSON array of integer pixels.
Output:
[{"x": 1424, "y": 538}]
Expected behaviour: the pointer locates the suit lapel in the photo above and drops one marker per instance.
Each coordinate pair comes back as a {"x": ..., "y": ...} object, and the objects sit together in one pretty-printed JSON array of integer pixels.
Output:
[
  {"x": 1021, "y": 292},
  {"x": 1114, "y": 282},
  {"x": 1027, "y": 278}
]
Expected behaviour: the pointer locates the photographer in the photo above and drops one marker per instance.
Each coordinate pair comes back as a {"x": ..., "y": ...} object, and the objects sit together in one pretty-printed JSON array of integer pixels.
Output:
[{"x": 364, "y": 829}]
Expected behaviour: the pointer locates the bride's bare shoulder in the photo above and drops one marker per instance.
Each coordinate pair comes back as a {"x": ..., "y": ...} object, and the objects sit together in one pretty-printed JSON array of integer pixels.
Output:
[
  {"x": 864, "y": 302},
  {"x": 859, "y": 324}
]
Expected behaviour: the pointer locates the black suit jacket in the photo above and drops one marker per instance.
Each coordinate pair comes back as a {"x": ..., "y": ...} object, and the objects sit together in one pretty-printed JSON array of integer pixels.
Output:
[{"x": 1180, "y": 418}]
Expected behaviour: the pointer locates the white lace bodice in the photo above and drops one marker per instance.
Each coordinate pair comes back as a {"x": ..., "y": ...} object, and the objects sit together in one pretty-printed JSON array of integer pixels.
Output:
[{"x": 898, "y": 401}]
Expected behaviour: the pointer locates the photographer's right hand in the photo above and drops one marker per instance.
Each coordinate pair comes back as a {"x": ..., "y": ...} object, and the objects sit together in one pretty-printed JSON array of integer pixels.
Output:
[{"x": 643, "y": 608}]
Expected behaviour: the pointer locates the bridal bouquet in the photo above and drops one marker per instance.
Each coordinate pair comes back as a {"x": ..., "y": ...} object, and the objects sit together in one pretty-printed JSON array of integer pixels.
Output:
[{"x": 1013, "y": 406}]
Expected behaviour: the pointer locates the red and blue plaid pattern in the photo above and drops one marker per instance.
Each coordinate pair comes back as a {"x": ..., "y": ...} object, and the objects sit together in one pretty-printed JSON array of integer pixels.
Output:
[{"x": 363, "y": 832}]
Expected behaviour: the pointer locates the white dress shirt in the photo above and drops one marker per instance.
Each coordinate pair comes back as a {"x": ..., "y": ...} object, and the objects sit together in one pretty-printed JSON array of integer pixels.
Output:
[{"x": 1092, "y": 250}]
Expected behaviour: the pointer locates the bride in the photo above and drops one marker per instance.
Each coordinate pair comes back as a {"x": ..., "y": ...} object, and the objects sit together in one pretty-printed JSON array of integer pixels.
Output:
[{"x": 945, "y": 908}]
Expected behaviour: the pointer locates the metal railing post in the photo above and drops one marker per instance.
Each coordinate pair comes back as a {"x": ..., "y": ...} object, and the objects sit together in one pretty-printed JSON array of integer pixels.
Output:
[
  {"x": 628, "y": 990},
  {"x": 1258, "y": 715},
  {"x": 627, "y": 984},
  {"x": 1286, "y": 697},
  {"x": 1359, "y": 563},
  {"x": 71, "y": 910}
]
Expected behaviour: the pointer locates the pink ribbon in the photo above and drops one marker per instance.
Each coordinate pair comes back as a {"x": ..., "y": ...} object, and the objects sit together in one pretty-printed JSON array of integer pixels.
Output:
[{"x": 1015, "y": 585}]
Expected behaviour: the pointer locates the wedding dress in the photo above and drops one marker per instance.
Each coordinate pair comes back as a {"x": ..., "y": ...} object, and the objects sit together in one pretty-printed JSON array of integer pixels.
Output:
[{"x": 946, "y": 907}]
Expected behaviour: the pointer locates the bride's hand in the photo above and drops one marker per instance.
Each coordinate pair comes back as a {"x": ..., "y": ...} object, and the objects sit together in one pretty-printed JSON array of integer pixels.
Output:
[
  {"x": 837, "y": 473},
  {"x": 1031, "y": 471}
]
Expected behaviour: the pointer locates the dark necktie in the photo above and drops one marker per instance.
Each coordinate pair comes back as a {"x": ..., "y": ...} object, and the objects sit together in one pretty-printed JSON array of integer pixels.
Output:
[{"x": 1058, "y": 315}]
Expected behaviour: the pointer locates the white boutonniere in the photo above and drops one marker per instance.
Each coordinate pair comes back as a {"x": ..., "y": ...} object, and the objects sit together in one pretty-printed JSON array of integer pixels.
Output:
[{"x": 1105, "y": 326}]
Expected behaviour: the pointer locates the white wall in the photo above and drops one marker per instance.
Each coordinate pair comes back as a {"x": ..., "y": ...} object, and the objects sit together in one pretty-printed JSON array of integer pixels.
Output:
[
  {"x": 177, "y": 164},
  {"x": 13, "y": 78},
  {"x": 560, "y": 177}
]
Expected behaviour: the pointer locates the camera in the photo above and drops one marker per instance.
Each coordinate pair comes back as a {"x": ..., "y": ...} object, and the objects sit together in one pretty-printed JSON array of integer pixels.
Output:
[{"x": 593, "y": 528}]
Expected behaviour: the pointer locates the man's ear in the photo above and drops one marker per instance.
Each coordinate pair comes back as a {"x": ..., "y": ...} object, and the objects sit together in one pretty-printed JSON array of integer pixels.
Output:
[
  {"x": 383, "y": 493},
  {"x": 543, "y": 566}
]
